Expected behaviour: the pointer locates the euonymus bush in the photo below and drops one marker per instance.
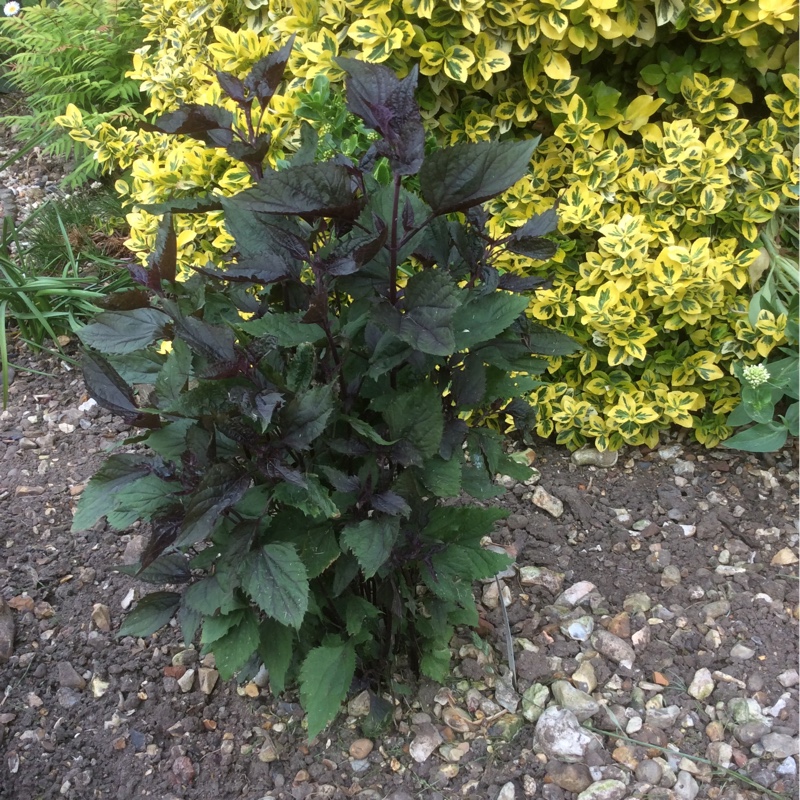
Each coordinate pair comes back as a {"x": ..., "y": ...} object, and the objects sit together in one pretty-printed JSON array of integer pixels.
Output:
[{"x": 307, "y": 423}]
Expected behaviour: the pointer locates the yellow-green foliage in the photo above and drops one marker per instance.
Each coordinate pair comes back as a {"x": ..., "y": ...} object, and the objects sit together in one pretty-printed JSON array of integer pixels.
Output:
[{"x": 668, "y": 134}]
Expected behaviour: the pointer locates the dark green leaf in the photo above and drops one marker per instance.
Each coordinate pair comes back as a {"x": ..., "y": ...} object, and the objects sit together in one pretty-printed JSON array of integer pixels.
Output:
[
  {"x": 486, "y": 317},
  {"x": 140, "y": 367},
  {"x": 325, "y": 678},
  {"x": 170, "y": 440},
  {"x": 233, "y": 650},
  {"x": 276, "y": 649},
  {"x": 469, "y": 382},
  {"x": 175, "y": 372},
  {"x": 287, "y": 330},
  {"x": 221, "y": 487},
  {"x": 211, "y": 341},
  {"x": 305, "y": 417},
  {"x": 469, "y": 563},
  {"x": 416, "y": 416},
  {"x": 208, "y": 597},
  {"x": 455, "y": 178},
  {"x": 97, "y": 498},
  {"x": 152, "y": 612},
  {"x": 122, "y": 332},
  {"x": 357, "y": 611},
  {"x": 216, "y": 626},
  {"x": 371, "y": 542},
  {"x": 476, "y": 483},
  {"x": 463, "y": 524},
  {"x": 314, "y": 189},
  {"x": 441, "y": 477},
  {"x": 276, "y": 579},
  {"x": 140, "y": 499},
  {"x": 162, "y": 263},
  {"x": 368, "y": 432},
  {"x": 547, "y": 342},
  {"x": 431, "y": 300},
  {"x": 188, "y": 205},
  {"x": 172, "y": 568},
  {"x": 532, "y": 247},
  {"x": 766, "y": 437}
]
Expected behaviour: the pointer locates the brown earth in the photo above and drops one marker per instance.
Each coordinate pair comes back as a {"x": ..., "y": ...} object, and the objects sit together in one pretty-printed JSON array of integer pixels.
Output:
[{"x": 87, "y": 715}]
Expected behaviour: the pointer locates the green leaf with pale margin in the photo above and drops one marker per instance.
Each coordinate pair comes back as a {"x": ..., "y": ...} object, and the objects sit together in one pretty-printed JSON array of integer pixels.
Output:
[
  {"x": 152, "y": 612},
  {"x": 325, "y": 679},
  {"x": 371, "y": 542},
  {"x": 276, "y": 579}
]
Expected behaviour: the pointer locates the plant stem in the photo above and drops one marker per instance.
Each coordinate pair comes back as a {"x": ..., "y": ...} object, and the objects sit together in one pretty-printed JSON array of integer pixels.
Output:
[{"x": 393, "y": 246}]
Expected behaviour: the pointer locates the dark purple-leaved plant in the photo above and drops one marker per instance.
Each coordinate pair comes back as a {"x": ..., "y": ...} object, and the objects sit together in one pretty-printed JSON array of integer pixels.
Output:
[{"x": 300, "y": 437}]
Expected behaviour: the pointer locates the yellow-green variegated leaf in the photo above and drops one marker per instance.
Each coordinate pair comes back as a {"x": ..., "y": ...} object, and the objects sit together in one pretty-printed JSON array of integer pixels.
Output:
[
  {"x": 488, "y": 58},
  {"x": 457, "y": 62}
]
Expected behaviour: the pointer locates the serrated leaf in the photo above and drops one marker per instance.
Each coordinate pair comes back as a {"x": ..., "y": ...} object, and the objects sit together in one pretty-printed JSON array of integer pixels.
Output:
[
  {"x": 141, "y": 499},
  {"x": 152, "y": 612},
  {"x": 387, "y": 105},
  {"x": 221, "y": 488},
  {"x": 121, "y": 332},
  {"x": 325, "y": 679},
  {"x": 455, "y": 178},
  {"x": 312, "y": 189},
  {"x": 469, "y": 382},
  {"x": 465, "y": 524},
  {"x": 390, "y": 503},
  {"x": 431, "y": 300},
  {"x": 276, "y": 649},
  {"x": 214, "y": 342},
  {"x": 232, "y": 651},
  {"x": 208, "y": 597},
  {"x": 209, "y": 124},
  {"x": 107, "y": 388},
  {"x": 469, "y": 563},
  {"x": 486, "y": 317},
  {"x": 96, "y": 500},
  {"x": 170, "y": 440},
  {"x": 367, "y": 431},
  {"x": 371, "y": 542},
  {"x": 357, "y": 611},
  {"x": 175, "y": 373},
  {"x": 441, "y": 477},
  {"x": 276, "y": 579},
  {"x": 306, "y": 416},
  {"x": 416, "y": 416},
  {"x": 287, "y": 330},
  {"x": 266, "y": 74},
  {"x": 172, "y": 568},
  {"x": 216, "y": 626}
]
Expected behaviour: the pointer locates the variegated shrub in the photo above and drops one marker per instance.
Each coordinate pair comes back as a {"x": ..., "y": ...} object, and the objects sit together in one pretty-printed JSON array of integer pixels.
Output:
[{"x": 669, "y": 138}]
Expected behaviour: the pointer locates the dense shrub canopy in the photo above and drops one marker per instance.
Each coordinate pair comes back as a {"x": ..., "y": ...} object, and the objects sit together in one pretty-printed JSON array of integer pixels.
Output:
[{"x": 669, "y": 138}]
